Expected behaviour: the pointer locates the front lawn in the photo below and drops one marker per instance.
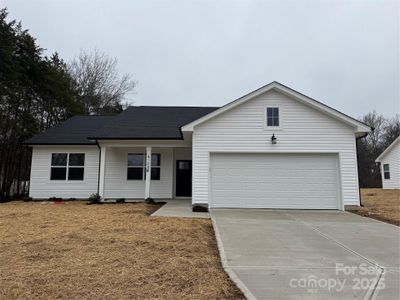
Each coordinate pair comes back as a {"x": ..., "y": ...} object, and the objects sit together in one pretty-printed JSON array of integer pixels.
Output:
[
  {"x": 111, "y": 251},
  {"x": 380, "y": 204}
]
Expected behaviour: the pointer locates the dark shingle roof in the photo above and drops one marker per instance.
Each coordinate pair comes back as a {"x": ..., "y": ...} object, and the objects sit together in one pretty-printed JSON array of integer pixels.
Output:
[
  {"x": 151, "y": 122},
  {"x": 74, "y": 131},
  {"x": 136, "y": 122}
]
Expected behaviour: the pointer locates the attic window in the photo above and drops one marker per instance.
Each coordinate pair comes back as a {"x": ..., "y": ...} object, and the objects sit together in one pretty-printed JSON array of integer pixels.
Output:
[{"x": 272, "y": 117}]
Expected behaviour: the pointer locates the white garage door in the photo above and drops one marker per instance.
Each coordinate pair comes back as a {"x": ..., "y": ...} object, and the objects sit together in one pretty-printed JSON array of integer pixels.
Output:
[{"x": 303, "y": 181}]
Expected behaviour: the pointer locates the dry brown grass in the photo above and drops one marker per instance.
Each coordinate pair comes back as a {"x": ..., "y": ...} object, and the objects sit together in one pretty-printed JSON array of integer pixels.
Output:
[
  {"x": 76, "y": 251},
  {"x": 380, "y": 204}
]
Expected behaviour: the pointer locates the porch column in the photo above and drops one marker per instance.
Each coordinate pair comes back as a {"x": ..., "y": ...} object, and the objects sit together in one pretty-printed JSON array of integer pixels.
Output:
[
  {"x": 148, "y": 172},
  {"x": 102, "y": 171}
]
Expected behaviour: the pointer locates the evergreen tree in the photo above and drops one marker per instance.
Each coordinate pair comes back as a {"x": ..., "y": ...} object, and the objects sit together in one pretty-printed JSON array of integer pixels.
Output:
[{"x": 36, "y": 92}]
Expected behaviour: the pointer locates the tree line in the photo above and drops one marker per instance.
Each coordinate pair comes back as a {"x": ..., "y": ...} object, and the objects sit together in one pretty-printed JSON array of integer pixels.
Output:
[
  {"x": 386, "y": 130},
  {"x": 39, "y": 91}
]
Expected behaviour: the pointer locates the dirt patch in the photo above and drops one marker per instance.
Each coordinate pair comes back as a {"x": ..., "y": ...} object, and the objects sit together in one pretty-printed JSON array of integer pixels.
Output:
[
  {"x": 380, "y": 204},
  {"x": 78, "y": 251}
]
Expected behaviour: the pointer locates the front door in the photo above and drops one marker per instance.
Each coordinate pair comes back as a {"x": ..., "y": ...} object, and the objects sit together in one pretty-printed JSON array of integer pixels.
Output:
[{"x": 183, "y": 178}]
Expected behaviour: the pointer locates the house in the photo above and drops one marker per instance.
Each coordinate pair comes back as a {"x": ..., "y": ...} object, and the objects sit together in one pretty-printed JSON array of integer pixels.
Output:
[
  {"x": 390, "y": 165},
  {"x": 272, "y": 148}
]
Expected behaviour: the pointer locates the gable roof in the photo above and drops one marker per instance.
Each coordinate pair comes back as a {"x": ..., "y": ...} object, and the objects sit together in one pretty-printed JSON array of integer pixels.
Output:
[
  {"x": 74, "y": 131},
  {"x": 151, "y": 122},
  {"x": 136, "y": 122},
  {"x": 164, "y": 122},
  {"x": 388, "y": 149},
  {"x": 359, "y": 126}
]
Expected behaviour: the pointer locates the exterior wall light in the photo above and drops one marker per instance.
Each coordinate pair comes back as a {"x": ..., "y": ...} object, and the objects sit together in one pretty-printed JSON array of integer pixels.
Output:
[{"x": 273, "y": 139}]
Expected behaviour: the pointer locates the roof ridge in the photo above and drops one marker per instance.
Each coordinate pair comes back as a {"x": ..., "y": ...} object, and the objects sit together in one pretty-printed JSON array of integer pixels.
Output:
[
  {"x": 94, "y": 115},
  {"x": 173, "y": 106},
  {"x": 283, "y": 89},
  {"x": 388, "y": 149}
]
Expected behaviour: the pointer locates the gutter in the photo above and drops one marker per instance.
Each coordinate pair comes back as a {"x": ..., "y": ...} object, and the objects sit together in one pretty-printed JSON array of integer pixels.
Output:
[
  {"x": 358, "y": 138},
  {"x": 136, "y": 138},
  {"x": 98, "y": 173},
  {"x": 363, "y": 136}
]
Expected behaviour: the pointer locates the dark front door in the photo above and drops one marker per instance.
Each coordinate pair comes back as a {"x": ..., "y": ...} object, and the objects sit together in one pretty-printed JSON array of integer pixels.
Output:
[{"x": 183, "y": 178}]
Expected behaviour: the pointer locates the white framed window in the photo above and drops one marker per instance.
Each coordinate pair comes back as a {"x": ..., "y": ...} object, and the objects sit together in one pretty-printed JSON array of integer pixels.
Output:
[
  {"x": 155, "y": 166},
  {"x": 272, "y": 117},
  {"x": 69, "y": 166},
  {"x": 137, "y": 166},
  {"x": 386, "y": 171}
]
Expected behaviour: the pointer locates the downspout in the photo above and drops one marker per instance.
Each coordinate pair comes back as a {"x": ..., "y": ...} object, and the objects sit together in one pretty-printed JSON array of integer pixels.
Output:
[
  {"x": 357, "y": 138},
  {"x": 98, "y": 173}
]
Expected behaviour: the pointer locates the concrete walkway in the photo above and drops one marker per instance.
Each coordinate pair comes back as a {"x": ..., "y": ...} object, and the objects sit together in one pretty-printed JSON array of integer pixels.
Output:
[
  {"x": 276, "y": 254},
  {"x": 181, "y": 208}
]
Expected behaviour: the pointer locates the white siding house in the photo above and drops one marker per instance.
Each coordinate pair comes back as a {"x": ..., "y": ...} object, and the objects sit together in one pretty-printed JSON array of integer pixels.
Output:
[
  {"x": 390, "y": 166},
  {"x": 116, "y": 184},
  {"x": 272, "y": 148},
  {"x": 42, "y": 187},
  {"x": 303, "y": 130}
]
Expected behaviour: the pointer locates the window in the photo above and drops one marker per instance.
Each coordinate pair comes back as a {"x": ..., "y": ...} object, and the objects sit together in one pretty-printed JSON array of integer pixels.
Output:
[
  {"x": 386, "y": 171},
  {"x": 58, "y": 166},
  {"x": 155, "y": 166},
  {"x": 272, "y": 116},
  {"x": 137, "y": 167},
  {"x": 76, "y": 165},
  {"x": 184, "y": 165},
  {"x": 64, "y": 165}
]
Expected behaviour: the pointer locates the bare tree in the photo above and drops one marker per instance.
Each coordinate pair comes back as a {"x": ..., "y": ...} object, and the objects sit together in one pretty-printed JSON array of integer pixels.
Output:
[
  {"x": 378, "y": 122},
  {"x": 369, "y": 148},
  {"x": 391, "y": 130},
  {"x": 98, "y": 83}
]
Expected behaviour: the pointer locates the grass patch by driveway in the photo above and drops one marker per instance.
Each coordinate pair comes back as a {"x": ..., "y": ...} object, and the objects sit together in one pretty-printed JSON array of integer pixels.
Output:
[
  {"x": 380, "y": 204},
  {"x": 73, "y": 250}
]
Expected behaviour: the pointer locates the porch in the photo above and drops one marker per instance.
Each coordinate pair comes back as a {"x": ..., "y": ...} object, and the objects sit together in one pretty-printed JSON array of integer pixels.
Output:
[
  {"x": 135, "y": 171},
  {"x": 181, "y": 208}
]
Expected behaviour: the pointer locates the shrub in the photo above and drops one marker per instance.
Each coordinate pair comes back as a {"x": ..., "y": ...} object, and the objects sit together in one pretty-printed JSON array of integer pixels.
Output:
[
  {"x": 95, "y": 199},
  {"x": 199, "y": 208},
  {"x": 150, "y": 201},
  {"x": 120, "y": 200},
  {"x": 55, "y": 199}
]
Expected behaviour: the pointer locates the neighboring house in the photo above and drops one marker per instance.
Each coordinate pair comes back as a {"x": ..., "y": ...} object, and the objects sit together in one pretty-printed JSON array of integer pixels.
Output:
[
  {"x": 272, "y": 148},
  {"x": 390, "y": 165}
]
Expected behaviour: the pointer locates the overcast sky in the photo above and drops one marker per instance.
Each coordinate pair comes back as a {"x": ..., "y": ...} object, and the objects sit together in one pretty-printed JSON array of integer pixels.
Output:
[{"x": 207, "y": 53}]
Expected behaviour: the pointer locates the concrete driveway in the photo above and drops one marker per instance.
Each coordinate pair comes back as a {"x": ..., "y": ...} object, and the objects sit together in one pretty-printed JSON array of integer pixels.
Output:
[{"x": 286, "y": 254}]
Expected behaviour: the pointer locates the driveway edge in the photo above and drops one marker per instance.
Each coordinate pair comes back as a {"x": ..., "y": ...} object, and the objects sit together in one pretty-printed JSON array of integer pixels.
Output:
[{"x": 241, "y": 286}]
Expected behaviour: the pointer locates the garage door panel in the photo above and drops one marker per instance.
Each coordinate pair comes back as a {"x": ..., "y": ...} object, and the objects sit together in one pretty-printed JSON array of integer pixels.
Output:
[
  {"x": 276, "y": 194},
  {"x": 304, "y": 162},
  {"x": 278, "y": 177},
  {"x": 254, "y": 189},
  {"x": 274, "y": 180},
  {"x": 273, "y": 170}
]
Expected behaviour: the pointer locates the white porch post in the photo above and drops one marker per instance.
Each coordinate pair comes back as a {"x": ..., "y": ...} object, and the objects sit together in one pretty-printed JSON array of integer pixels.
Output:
[
  {"x": 148, "y": 172},
  {"x": 102, "y": 174}
]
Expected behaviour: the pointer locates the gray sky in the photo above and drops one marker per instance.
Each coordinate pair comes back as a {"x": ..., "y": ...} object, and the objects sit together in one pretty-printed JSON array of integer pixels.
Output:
[{"x": 343, "y": 53}]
